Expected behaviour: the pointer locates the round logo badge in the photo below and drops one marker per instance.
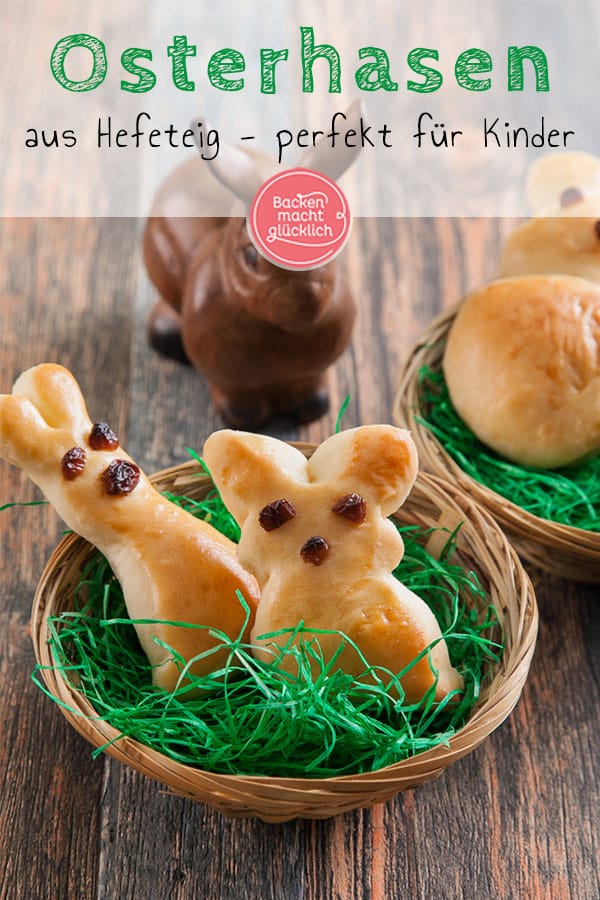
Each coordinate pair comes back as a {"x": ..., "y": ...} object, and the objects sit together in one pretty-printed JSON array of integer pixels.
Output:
[{"x": 299, "y": 219}]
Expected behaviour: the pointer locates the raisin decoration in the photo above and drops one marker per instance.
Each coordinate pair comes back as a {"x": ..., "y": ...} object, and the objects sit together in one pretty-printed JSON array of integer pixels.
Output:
[
  {"x": 276, "y": 514},
  {"x": 352, "y": 507},
  {"x": 73, "y": 463},
  {"x": 570, "y": 197},
  {"x": 597, "y": 229},
  {"x": 315, "y": 550},
  {"x": 121, "y": 477},
  {"x": 102, "y": 437}
]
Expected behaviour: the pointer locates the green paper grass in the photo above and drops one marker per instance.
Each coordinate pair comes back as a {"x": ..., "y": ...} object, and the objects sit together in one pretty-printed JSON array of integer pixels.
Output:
[
  {"x": 252, "y": 718},
  {"x": 569, "y": 496}
]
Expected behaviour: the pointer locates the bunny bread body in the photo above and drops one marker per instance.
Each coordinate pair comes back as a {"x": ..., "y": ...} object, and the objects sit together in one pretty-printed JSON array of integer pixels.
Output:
[
  {"x": 171, "y": 566},
  {"x": 559, "y": 245},
  {"x": 316, "y": 535},
  {"x": 522, "y": 365},
  {"x": 262, "y": 336}
]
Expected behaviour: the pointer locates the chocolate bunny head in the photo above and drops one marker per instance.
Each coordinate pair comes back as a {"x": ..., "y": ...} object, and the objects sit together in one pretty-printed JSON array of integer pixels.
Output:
[
  {"x": 315, "y": 534},
  {"x": 262, "y": 336},
  {"x": 288, "y": 300}
]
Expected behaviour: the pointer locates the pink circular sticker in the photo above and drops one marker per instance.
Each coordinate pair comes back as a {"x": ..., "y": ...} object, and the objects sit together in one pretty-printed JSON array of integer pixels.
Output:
[{"x": 299, "y": 219}]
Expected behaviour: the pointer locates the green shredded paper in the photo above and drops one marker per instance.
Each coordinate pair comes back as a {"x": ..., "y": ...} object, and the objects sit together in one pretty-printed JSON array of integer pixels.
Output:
[
  {"x": 250, "y": 716},
  {"x": 569, "y": 496}
]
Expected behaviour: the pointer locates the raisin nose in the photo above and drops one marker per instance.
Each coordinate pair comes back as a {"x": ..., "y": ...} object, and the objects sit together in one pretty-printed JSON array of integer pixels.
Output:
[{"x": 315, "y": 550}]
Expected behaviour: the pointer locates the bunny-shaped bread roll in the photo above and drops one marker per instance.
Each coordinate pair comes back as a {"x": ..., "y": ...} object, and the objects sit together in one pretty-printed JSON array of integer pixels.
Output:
[
  {"x": 557, "y": 182},
  {"x": 316, "y": 535},
  {"x": 563, "y": 238},
  {"x": 170, "y": 565}
]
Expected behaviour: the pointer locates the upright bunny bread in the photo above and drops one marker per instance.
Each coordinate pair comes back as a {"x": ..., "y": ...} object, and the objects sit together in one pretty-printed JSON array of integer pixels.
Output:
[
  {"x": 170, "y": 565},
  {"x": 316, "y": 535}
]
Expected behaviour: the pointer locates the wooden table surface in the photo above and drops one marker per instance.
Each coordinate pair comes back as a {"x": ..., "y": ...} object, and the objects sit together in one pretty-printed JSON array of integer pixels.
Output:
[{"x": 516, "y": 818}]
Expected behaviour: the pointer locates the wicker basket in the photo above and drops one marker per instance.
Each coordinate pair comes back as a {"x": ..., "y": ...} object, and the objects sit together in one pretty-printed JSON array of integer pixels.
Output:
[
  {"x": 480, "y": 546},
  {"x": 560, "y": 549}
]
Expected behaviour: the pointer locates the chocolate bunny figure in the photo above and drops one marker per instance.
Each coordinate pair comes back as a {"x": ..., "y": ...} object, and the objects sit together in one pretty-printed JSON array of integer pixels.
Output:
[{"x": 262, "y": 336}]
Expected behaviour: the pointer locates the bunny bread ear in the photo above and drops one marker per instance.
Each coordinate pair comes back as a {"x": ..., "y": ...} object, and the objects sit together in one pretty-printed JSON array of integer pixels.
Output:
[
  {"x": 45, "y": 399},
  {"x": 23, "y": 432},
  {"x": 558, "y": 181},
  {"x": 379, "y": 461},
  {"x": 251, "y": 469},
  {"x": 54, "y": 392}
]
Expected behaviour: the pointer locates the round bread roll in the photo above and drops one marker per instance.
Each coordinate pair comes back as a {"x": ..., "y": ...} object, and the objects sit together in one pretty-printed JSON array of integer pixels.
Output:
[
  {"x": 563, "y": 246},
  {"x": 522, "y": 365}
]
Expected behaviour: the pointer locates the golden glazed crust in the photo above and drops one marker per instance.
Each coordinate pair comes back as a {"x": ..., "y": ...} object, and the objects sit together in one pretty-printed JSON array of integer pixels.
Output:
[
  {"x": 522, "y": 365},
  {"x": 565, "y": 245},
  {"x": 352, "y": 589},
  {"x": 171, "y": 566}
]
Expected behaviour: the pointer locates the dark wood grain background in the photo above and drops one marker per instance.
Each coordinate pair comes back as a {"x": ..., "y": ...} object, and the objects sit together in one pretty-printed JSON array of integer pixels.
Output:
[{"x": 517, "y": 818}]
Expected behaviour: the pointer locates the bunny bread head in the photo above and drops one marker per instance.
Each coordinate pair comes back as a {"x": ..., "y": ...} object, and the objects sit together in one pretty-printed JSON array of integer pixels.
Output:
[
  {"x": 316, "y": 535},
  {"x": 557, "y": 182},
  {"x": 563, "y": 190},
  {"x": 171, "y": 566},
  {"x": 522, "y": 365}
]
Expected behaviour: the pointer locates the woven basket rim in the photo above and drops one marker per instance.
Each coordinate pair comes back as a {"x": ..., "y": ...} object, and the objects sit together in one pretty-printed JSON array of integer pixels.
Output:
[
  {"x": 503, "y": 691},
  {"x": 516, "y": 520}
]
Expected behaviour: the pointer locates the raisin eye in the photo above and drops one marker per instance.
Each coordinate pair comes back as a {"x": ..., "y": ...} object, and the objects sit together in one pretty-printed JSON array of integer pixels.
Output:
[
  {"x": 315, "y": 550},
  {"x": 73, "y": 463},
  {"x": 570, "y": 196},
  {"x": 352, "y": 507},
  {"x": 121, "y": 477},
  {"x": 276, "y": 514},
  {"x": 250, "y": 255},
  {"x": 597, "y": 229},
  {"x": 102, "y": 437}
]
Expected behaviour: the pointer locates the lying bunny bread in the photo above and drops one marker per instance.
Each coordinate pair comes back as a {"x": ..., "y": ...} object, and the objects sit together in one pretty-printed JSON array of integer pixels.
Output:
[
  {"x": 170, "y": 565},
  {"x": 564, "y": 237},
  {"x": 316, "y": 535},
  {"x": 522, "y": 365}
]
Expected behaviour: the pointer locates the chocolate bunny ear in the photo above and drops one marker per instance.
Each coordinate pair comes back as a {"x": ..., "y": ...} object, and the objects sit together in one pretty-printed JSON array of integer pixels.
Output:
[
  {"x": 233, "y": 167},
  {"x": 333, "y": 162}
]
